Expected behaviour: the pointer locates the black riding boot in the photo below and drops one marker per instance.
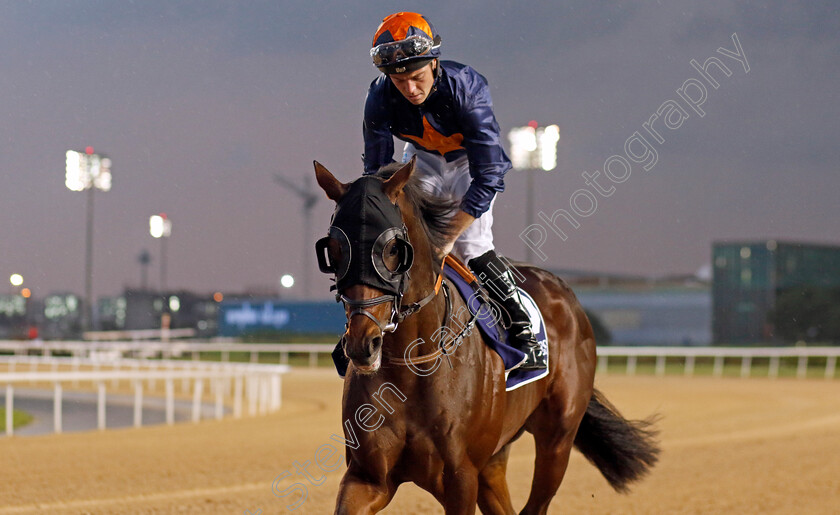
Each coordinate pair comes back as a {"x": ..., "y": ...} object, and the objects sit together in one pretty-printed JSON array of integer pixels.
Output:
[{"x": 497, "y": 278}]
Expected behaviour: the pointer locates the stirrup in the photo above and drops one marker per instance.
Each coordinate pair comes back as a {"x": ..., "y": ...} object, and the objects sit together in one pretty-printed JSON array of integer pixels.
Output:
[
  {"x": 534, "y": 360},
  {"x": 525, "y": 341}
]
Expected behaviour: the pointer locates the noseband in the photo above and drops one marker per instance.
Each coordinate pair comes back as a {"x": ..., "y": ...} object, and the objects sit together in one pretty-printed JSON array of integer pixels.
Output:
[{"x": 398, "y": 312}]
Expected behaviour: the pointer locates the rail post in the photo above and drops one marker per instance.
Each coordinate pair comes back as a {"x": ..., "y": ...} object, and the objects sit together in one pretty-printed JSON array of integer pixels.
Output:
[
  {"x": 170, "y": 401},
  {"x": 802, "y": 367},
  {"x": 746, "y": 366},
  {"x": 660, "y": 365},
  {"x": 263, "y": 395},
  {"x": 100, "y": 405},
  {"x": 773, "y": 371},
  {"x": 252, "y": 396},
  {"x": 830, "y": 366},
  {"x": 631, "y": 365},
  {"x": 718, "y": 369},
  {"x": 57, "y": 408},
  {"x": 219, "y": 392},
  {"x": 10, "y": 406},
  {"x": 237, "y": 396},
  {"x": 198, "y": 389},
  {"x": 689, "y": 365},
  {"x": 276, "y": 392},
  {"x": 138, "y": 403}
]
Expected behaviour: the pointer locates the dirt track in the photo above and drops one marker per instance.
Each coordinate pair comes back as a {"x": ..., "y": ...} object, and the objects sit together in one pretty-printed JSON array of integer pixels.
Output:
[{"x": 730, "y": 445}]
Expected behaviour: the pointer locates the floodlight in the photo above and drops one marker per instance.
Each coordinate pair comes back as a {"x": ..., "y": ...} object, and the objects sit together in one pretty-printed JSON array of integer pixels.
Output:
[{"x": 287, "y": 281}]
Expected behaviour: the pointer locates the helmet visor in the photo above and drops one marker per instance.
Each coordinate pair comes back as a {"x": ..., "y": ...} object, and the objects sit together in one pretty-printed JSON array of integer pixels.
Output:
[{"x": 391, "y": 53}]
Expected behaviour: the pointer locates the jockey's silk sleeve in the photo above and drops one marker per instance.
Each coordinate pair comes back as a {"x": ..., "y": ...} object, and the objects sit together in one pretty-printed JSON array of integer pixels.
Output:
[
  {"x": 376, "y": 129},
  {"x": 482, "y": 140}
]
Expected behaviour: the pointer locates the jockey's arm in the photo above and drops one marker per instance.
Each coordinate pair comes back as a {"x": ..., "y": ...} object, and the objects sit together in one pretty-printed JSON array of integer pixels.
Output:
[{"x": 459, "y": 223}]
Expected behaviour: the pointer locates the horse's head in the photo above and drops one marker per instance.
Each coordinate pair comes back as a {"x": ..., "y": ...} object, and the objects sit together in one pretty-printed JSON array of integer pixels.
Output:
[{"x": 370, "y": 249}]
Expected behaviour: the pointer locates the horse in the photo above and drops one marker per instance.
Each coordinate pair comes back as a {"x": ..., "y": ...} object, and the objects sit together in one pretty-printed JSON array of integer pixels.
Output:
[{"x": 450, "y": 431}]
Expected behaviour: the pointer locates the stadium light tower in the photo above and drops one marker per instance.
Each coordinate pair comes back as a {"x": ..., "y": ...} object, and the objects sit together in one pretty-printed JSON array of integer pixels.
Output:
[
  {"x": 160, "y": 227},
  {"x": 533, "y": 148},
  {"x": 16, "y": 280},
  {"x": 310, "y": 197},
  {"x": 87, "y": 171}
]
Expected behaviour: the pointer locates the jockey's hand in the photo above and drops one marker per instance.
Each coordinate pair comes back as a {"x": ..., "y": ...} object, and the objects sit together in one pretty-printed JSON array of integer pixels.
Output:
[
  {"x": 442, "y": 253},
  {"x": 459, "y": 223}
]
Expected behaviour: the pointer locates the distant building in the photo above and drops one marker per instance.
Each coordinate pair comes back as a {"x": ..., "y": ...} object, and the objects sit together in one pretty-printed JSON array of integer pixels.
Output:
[
  {"x": 142, "y": 309},
  {"x": 636, "y": 310},
  {"x": 13, "y": 316},
  {"x": 749, "y": 277},
  {"x": 61, "y": 316}
]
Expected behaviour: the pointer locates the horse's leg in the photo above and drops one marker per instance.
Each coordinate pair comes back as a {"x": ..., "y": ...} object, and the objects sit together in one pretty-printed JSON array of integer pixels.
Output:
[
  {"x": 493, "y": 494},
  {"x": 549, "y": 469},
  {"x": 460, "y": 489},
  {"x": 359, "y": 496},
  {"x": 554, "y": 425}
]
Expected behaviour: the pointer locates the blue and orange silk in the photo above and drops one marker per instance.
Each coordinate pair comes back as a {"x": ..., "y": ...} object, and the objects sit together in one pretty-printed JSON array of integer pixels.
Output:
[
  {"x": 456, "y": 119},
  {"x": 399, "y": 26}
]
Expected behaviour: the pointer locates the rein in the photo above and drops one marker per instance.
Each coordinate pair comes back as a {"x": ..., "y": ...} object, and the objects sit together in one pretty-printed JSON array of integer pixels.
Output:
[
  {"x": 398, "y": 314},
  {"x": 442, "y": 346}
]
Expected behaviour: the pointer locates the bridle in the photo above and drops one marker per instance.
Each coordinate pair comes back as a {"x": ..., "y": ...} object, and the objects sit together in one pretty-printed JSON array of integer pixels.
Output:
[
  {"x": 367, "y": 224},
  {"x": 398, "y": 311}
]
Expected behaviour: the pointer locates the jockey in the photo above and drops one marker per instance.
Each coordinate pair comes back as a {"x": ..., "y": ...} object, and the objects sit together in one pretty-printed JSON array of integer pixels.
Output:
[{"x": 443, "y": 111}]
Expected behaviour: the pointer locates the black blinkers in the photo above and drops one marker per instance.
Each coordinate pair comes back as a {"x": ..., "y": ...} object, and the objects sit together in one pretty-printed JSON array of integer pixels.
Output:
[{"x": 372, "y": 240}]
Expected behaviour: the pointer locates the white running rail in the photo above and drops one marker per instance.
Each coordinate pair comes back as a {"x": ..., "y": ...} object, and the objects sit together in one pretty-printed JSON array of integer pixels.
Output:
[
  {"x": 688, "y": 357},
  {"x": 148, "y": 349},
  {"x": 234, "y": 383}
]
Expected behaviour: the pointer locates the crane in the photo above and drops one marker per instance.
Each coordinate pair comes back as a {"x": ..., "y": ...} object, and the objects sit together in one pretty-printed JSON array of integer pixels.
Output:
[{"x": 310, "y": 197}]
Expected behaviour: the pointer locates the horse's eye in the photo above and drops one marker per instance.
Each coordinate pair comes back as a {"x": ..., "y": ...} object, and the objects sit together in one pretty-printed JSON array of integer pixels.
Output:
[
  {"x": 334, "y": 250},
  {"x": 390, "y": 255}
]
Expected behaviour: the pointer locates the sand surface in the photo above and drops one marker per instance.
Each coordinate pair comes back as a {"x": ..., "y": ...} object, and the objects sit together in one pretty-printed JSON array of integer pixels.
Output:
[{"x": 729, "y": 446}]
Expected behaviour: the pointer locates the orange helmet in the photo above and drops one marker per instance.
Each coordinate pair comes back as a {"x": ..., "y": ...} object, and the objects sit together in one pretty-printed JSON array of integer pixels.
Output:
[{"x": 404, "y": 42}]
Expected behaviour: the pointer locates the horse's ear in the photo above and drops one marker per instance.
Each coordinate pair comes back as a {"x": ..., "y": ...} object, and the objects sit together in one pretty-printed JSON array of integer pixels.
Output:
[
  {"x": 394, "y": 185},
  {"x": 327, "y": 181}
]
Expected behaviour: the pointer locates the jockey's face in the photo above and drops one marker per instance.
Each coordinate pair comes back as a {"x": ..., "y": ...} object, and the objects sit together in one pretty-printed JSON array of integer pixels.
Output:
[{"x": 416, "y": 85}]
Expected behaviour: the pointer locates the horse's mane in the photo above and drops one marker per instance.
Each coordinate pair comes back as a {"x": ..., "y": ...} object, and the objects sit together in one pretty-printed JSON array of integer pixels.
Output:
[{"x": 434, "y": 211}]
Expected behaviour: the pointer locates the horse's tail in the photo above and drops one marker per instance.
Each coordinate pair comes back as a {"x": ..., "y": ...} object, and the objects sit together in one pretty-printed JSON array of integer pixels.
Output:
[{"x": 623, "y": 450}]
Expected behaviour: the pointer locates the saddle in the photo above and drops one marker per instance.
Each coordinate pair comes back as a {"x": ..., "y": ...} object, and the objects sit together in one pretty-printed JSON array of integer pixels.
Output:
[{"x": 493, "y": 327}]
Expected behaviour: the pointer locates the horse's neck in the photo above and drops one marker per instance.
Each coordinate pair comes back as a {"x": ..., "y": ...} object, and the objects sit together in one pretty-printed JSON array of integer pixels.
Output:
[
  {"x": 420, "y": 333},
  {"x": 440, "y": 325},
  {"x": 422, "y": 324}
]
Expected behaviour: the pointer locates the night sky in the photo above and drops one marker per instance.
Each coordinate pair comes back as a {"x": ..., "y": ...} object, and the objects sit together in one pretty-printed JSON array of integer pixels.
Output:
[{"x": 200, "y": 104}]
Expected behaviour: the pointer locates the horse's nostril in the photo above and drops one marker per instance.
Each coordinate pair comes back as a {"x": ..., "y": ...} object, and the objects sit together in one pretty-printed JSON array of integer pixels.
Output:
[{"x": 375, "y": 344}]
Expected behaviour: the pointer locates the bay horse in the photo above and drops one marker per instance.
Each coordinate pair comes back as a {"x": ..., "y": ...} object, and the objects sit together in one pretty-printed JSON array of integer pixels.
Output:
[{"x": 452, "y": 434}]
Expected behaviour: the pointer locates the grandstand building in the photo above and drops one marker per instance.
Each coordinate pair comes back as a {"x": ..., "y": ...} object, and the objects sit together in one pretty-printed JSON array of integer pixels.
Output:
[
  {"x": 751, "y": 277},
  {"x": 637, "y": 310}
]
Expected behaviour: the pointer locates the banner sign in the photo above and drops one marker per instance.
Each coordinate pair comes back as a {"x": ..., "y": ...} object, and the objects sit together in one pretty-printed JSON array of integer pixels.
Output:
[{"x": 240, "y": 317}]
